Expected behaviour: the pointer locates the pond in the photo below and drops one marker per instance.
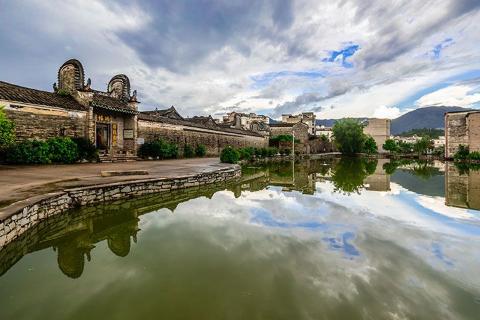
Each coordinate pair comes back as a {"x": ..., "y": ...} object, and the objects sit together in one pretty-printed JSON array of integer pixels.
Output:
[{"x": 319, "y": 239}]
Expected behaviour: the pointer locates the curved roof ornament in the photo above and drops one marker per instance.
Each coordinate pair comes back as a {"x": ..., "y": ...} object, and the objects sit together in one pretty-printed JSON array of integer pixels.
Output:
[
  {"x": 119, "y": 87},
  {"x": 70, "y": 74}
]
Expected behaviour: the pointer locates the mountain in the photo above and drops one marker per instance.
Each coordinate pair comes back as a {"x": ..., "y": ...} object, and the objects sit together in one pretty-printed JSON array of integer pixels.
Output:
[
  {"x": 426, "y": 117},
  {"x": 330, "y": 122},
  {"x": 273, "y": 121}
]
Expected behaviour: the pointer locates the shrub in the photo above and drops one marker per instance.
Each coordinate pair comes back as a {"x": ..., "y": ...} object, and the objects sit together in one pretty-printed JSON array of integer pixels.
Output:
[
  {"x": 158, "y": 149},
  {"x": 200, "y": 150},
  {"x": 475, "y": 155},
  {"x": 62, "y": 150},
  {"x": 462, "y": 153},
  {"x": 188, "y": 151},
  {"x": 7, "y": 130},
  {"x": 287, "y": 151},
  {"x": 272, "y": 151},
  {"x": 370, "y": 146},
  {"x": 29, "y": 152},
  {"x": 229, "y": 155},
  {"x": 263, "y": 152},
  {"x": 86, "y": 149},
  {"x": 246, "y": 153}
]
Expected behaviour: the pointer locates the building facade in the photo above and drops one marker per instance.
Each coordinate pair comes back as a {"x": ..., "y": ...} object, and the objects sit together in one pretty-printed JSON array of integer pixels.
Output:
[
  {"x": 306, "y": 117},
  {"x": 461, "y": 128},
  {"x": 110, "y": 119},
  {"x": 379, "y": 130},
  {"x": 299, "y": 130}
]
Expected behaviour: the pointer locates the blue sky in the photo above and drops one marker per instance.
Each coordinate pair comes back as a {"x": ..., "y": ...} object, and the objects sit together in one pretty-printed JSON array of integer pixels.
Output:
[{"x": 348, "y": 58}]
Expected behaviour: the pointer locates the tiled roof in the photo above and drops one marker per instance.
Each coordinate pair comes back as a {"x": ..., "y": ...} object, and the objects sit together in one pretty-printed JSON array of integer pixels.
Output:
[
  {"x": 14, "y": 93},
  {"x": 282, "y": 124},
  {"x": 169, "y": 113},
  {"x": 110, "y": 103},
  {"x": 187, "y": 123}
]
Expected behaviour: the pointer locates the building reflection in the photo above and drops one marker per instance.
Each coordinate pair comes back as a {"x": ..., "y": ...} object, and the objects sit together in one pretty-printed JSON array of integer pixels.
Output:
[
  {"x": 75, "y": 235},
  {"x": 74, "y": 244},
  {"x": 379, "y": 180},
  {"x": 462, "y": 186}
]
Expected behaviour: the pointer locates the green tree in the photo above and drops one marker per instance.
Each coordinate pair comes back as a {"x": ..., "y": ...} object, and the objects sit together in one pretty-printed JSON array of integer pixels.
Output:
[
  {"x": 370, "y": 146},
  {"x": 7, "y": 130},
  {"x": 390, "y": 145},
  {"x": 423, "y": 145},
  {"x": 349, "y": 136},
  {"x": 424, "y": 132}
]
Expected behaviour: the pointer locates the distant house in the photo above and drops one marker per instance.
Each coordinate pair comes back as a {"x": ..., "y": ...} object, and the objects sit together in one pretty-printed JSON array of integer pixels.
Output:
[{"x": 305, "y": 117}]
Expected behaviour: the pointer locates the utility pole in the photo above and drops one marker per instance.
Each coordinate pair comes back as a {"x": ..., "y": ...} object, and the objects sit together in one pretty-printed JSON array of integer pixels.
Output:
[{"x": 293, "y": 144}]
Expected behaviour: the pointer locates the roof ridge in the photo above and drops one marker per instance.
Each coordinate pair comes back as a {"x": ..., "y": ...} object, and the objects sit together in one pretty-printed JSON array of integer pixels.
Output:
[{"x": 28, "y": 88}]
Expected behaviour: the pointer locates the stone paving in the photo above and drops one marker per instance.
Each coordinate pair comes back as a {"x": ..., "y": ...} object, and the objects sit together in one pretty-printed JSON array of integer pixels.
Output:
[{"x": 22, "y": 182}]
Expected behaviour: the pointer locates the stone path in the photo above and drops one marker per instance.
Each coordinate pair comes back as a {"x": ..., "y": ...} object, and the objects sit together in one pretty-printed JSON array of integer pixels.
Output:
[{"x": 22, "y": 182}]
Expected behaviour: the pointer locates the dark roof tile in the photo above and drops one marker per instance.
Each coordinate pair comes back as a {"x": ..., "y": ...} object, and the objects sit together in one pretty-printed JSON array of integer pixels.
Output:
[{"x": 14, "y": 93}]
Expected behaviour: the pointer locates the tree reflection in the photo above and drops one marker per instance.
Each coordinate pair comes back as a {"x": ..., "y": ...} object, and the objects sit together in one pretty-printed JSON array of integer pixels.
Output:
[{"x": 349, "y": 174}]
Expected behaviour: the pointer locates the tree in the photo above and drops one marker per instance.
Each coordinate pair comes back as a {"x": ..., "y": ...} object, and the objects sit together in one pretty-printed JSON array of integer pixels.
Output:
[
  {"x": 423, "y": 145},
  {"x": 370, "y": 146},
  {"x": 7, "y": 130},
  {"x": 349, "y": 136},
  {"x": 390, "y": 145}
]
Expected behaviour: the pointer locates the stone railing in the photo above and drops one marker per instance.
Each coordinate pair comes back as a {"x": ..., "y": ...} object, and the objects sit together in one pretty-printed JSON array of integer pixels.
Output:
[{"x": 18, "y": 218}]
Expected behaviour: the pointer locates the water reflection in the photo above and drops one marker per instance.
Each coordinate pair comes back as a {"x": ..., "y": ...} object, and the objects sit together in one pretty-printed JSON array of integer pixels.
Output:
[
  {"x": 462, "y": 186},
  {"x": 323, "y": 239}
]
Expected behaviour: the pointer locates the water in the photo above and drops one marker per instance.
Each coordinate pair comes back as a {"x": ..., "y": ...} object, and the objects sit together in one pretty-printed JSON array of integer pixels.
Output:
[{"x": 326, "y": 239}]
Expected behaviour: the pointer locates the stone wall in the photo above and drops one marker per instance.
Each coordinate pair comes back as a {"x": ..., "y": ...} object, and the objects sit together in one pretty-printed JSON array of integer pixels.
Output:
[
  {"x": 15, "y": 222},
  {"x": 213, "y": 140},
  {"x": 45, "y": 122},
  {"x": 299, "y": 130},
  {"x": 473, "y": 123},
  {"x": 461, "y": 128},
  {"x": 456, "y": 132},
  {"x": 379, "y": 129}
]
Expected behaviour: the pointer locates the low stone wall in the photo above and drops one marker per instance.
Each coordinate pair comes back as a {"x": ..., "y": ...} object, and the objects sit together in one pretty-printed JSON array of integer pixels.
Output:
[{"x": 14, "y": 223}]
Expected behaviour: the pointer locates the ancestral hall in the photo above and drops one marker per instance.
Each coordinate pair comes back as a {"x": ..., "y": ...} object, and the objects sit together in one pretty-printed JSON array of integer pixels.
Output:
[{"x": 110, "y": 119}]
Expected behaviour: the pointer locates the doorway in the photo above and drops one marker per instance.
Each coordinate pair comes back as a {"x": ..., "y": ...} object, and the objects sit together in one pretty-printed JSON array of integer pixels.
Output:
[{"x": 102, "y": 134}]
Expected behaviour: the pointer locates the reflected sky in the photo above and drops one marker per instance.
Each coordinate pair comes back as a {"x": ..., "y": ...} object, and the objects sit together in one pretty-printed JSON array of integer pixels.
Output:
[{"x": 302, "y": 250}]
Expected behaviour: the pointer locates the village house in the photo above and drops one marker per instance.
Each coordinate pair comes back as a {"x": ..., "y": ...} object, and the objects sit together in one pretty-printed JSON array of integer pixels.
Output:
[
  {"x": 110, "y": 119},
  {"x": 305, "y": 117}
]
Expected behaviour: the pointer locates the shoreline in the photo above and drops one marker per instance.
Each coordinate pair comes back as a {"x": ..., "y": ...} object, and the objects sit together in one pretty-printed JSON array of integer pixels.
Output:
[{"x": 18, "y": 217}]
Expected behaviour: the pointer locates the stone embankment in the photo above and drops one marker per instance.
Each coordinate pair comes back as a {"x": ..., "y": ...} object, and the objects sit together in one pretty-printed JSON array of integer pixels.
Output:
[{"x": 17, "y": 218}]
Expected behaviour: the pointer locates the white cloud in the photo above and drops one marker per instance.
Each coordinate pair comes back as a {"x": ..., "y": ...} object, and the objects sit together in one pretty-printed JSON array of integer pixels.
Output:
[
  {"x": 386, "y": 112},
  {"x": 456, "y": 95}
]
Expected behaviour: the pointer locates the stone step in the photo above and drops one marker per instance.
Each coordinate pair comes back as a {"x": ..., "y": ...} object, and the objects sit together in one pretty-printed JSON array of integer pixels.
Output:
[{"x": 118, "y": 158}]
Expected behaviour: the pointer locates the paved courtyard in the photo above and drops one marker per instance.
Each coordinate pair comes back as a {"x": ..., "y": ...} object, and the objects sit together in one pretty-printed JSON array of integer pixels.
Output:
[{"x": 21, "y": 182}]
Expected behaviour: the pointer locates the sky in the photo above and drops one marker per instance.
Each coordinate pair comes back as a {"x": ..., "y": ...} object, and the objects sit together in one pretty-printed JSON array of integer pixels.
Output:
[{"x": 349, "y": 58}]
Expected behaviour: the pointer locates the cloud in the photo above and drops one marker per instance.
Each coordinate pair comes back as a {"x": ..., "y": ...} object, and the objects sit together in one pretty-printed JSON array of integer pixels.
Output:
[
  {"x": 387, "y": 112},
  {"x": 278, "y": 56},
  {"x": 456, "y": 95}
]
